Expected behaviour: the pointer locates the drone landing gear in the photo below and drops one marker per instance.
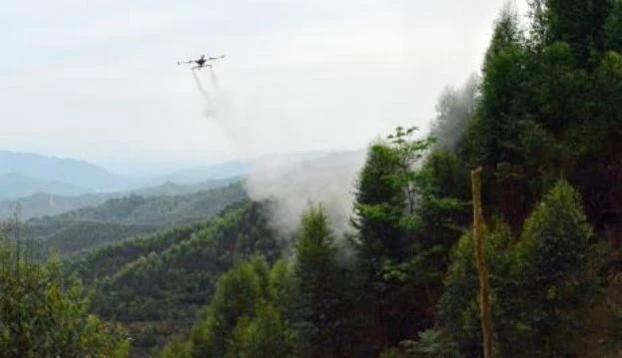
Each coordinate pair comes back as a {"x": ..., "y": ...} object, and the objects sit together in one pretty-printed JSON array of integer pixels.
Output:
[{"x": 200, "y": 67}]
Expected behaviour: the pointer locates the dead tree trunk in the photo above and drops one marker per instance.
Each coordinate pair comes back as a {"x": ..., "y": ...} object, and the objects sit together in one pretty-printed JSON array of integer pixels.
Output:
[{"x": 482, "y": 269}]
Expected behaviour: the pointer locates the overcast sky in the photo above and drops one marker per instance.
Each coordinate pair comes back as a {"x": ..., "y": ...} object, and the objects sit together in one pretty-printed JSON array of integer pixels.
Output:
[{"x": 98, "y": 80}]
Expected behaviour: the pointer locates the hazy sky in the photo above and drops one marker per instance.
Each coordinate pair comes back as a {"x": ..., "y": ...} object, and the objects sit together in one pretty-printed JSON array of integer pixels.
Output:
[{"x": 98, "y": 80}]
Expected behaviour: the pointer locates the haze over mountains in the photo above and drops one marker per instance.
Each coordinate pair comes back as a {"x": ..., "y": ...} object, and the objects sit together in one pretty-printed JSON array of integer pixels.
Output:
[
  {"x": 47, "y": 185},
  {"x": 45, "y": 204},
  {"x": 26, "y": 174},
  {"x": 73, "y": 172},
  {"x": 16, "y": 185}
]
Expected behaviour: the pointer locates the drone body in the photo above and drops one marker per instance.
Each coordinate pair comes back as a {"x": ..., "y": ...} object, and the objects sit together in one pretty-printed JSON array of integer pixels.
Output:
[{"x": 201, "y": 62}]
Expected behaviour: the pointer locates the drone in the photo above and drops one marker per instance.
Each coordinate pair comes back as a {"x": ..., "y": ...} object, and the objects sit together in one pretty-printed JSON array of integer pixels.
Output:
[{"x": 201, "y": 62}]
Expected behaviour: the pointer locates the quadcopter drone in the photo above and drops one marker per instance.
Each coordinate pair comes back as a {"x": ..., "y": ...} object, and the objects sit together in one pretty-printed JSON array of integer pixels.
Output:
[{"x": 201, "y": 62}]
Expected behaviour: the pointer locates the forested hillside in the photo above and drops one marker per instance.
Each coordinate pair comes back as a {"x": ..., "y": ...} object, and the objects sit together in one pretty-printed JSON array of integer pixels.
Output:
[
  {"x": 120, "y": 218},
  {"x": 80, "y": 236},
  {"x": 70, "y": 172},
  {"x": 14, "y": 185},
  {"x": 544, "y": 122},
  {"x": 541, "y": 123},
  {"x": 45, "y": 313},
  {"x": 164, "y": 209},
  {"x": 45, "y": 203},
  {"x": 155, "y": 284}
]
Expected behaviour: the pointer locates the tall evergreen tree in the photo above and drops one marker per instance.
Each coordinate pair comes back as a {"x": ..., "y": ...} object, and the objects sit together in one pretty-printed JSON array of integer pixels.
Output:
[
  {"x": 579, "y": 23},
  {"x": 321, "y": 311},
  {"x": 248, "y": 316},
  {"x": 237, "y": 294},
  {"x": 553, "y": 262},
  {"x": 459, "y": 310},
  {"x": 540, "y": 285},
  {"x": 390, "y": 255}
]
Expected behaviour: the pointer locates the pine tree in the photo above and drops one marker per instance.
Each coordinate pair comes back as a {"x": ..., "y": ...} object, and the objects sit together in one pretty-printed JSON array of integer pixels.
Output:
[
  {"x": 459, "y": 309},
  {"x": 393, "y": 258},
  {"x": 540, "y": 285},
  {"x": 263, "y": 335},
  {"x": 579, "y": 23},
  {"x": 248, "y": 316},
  {"x": 237, "y": 294},
  {"x": 321, "y": 310},
  {"x": 553, "y": 262}
]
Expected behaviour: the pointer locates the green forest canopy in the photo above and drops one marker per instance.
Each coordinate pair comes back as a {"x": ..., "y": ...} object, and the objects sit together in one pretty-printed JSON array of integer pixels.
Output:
[{"x": 543, "y": 119}]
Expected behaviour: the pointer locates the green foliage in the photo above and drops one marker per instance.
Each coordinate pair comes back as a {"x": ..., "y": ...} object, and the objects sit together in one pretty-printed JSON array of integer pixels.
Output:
[
  {"x": 444, "y": 208},
  {"x": 236, "y": 295},
  {"x": 244, "y": 318},
  {"x": 44, "y": 315},
  {"x": 264, "y": 335},
  {"x": 78, "y": 237},
  {"x": 553, "y": 260},
  {"x": 502, "y": 91},
  {"x": 432, "y": 343},
  {"x": 579, "y": 23},
  {"x": 406, "y": 153},
  {"x": 322, "y": 311},
  {"x": 459, "y": 310},
  {"x": 45, "y": 203},
  {"x": 121, "y": 218},
  {"x": 399, "y": 212},
  {"x": 392, "y": 353},
  {"x": 540, "y": 285},
  {"x": 607, "y": 125},
  {"x": 106, "y": 261},
  {"x": 387, "y": 193},
  {"x": 613, "y": 28},
  {"x": 177, "y": 348},
  {"x": 164, "y": 289},
  {"x": 283, "y": 287},
  {"x": 548, "y": 106}
]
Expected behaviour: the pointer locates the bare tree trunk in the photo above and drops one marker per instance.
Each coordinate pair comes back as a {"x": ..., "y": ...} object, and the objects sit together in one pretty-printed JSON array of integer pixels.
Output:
[{"x": 484, "y": 279}]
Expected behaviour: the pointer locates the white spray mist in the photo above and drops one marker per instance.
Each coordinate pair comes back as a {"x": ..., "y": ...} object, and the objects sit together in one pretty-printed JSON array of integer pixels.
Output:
[
  {"x": 291, "y": 182},
  {"x": 294, "y": 183}
]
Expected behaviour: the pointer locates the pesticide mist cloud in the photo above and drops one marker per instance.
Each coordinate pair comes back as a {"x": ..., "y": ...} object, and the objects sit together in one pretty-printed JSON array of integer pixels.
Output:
[
  {"x": 220, "y": 108},
  {"x": 299, "y": 76},
  {"x": 109, "y": 77},
  {"x": 292, "y": 183}
]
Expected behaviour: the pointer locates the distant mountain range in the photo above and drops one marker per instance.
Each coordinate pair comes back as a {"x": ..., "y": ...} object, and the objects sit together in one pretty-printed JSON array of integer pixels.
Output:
[
  {"x": 14, "y": 185},
  {"x": 24, "y": 175},
  {"x": 119, "y": 218},
  {"x": 224, "y": 170},
  {"x": 43, "y": 203},
  {"x": 69, "y": 171},
  {"x": 49, "y": 185}
]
